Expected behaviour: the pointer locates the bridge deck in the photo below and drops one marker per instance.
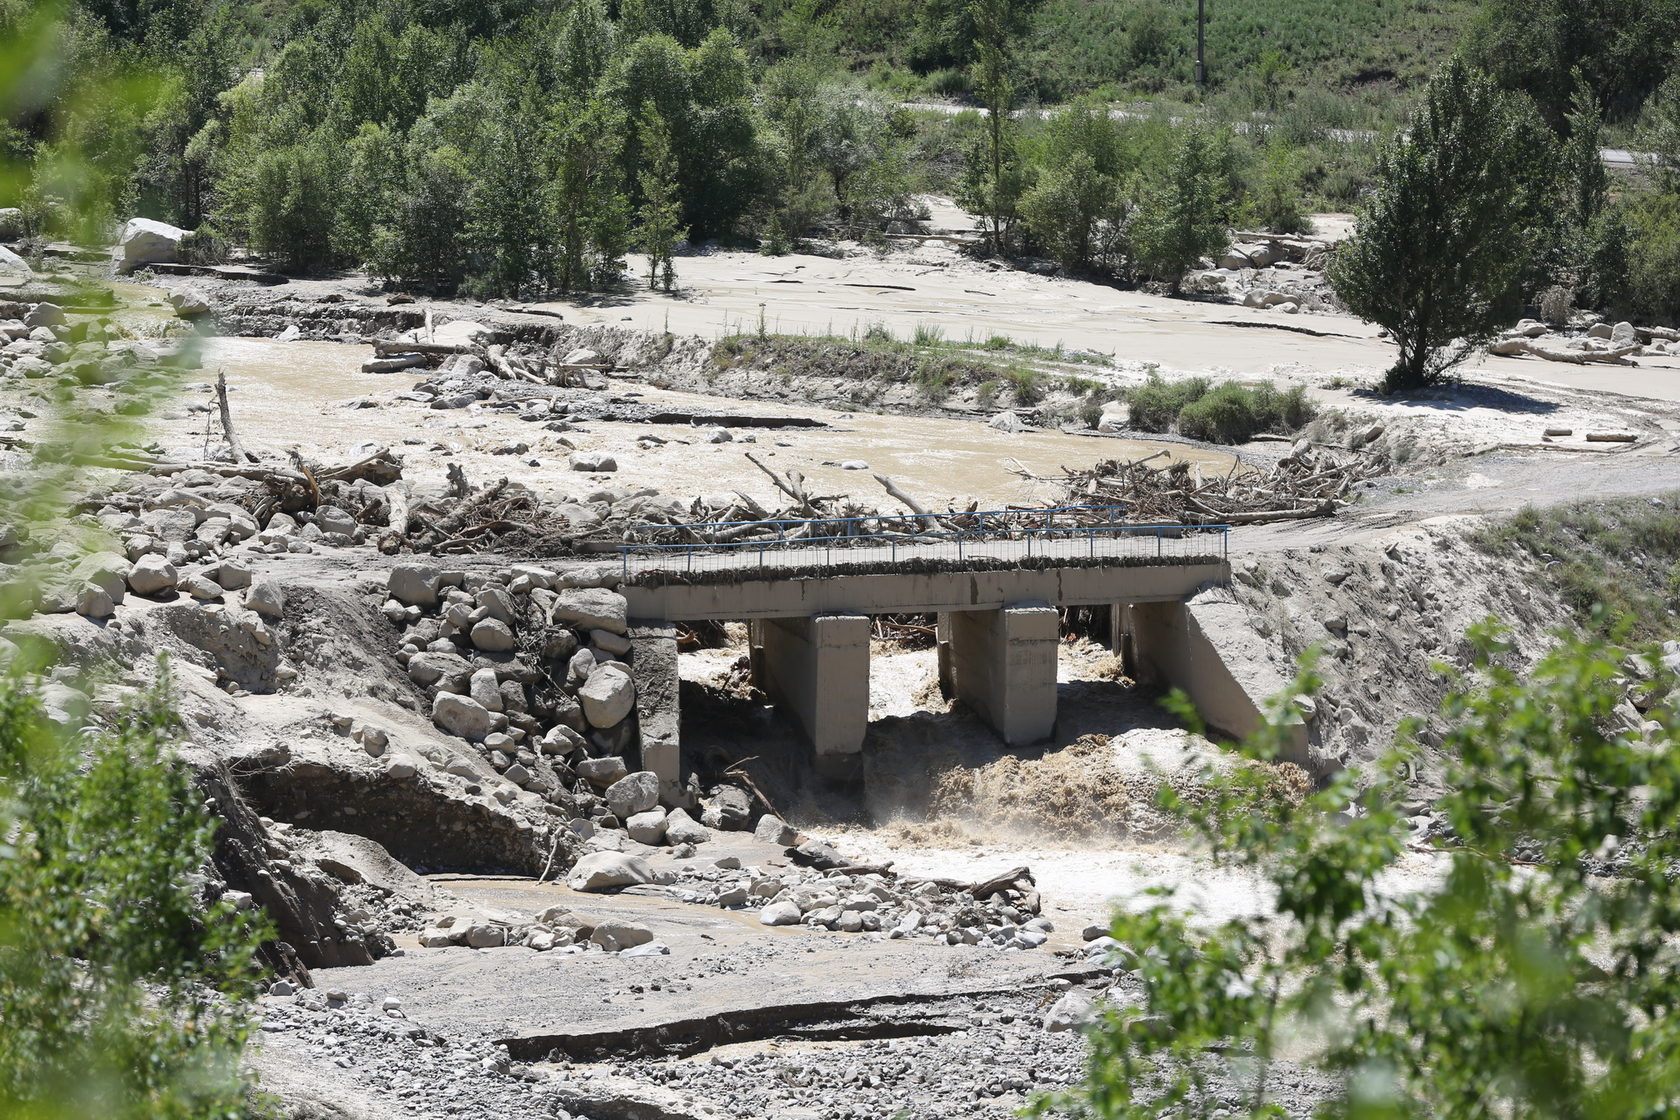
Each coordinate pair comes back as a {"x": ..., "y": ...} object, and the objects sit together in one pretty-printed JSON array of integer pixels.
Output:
[{"x": 777, "y": 593}]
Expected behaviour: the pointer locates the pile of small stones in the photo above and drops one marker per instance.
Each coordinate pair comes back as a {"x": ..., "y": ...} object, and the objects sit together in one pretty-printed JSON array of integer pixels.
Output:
[
  {"x": 428, "y": 1075},
  {"x": 999, "y": 1052},
  {"x": 873, "y": 903}
]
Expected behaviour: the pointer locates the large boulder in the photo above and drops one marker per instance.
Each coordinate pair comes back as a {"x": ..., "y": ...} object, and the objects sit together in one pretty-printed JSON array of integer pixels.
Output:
[
  {"x": 615, "y": 936},
  {"x": 13, "y": 265},
  {"x": 633, "y": 793},
  {"x": 415, "y": 585},
  {"x": 607, "y": 696},
  {"x": 590, "y": 608},
  {"x": 646, "y": 828},
  {"x": 448, "y": 671},
  {"x": 492, "y": 635},
  {"x": 461, "y": 715},
  {"x": 594, "y": 462},
  {"x": 144, "y": 241},
  {"x": 680, "y": 828},
  {"x": 189, "y": 302},
  {"x": 605, "y": 871},
  {"x": 1116, "y": 415},
  {"x": 602, "y": 772},
  {"x": 11, "y": 222},
  {"x": 152, "y": 575},
  {"x": 107, "y": 571}
]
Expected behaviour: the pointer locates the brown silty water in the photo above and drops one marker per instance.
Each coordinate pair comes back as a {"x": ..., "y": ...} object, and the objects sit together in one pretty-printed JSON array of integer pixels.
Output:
[{"x": 300, "y": 395}]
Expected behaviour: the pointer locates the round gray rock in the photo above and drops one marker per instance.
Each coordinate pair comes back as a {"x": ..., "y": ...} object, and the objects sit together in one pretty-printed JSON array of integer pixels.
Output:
[
  {"x": 632, "y": 794},
  {"x": 680, "y": 828},
  {"x": 415, "y": 585},
  {"x": 152, "y": 575},
  {"x": 603, "y": 871},
  {"x": 607, "y": 696},
  {"x": 491, "y": 635},
  {"x": 461, "y": 715}
]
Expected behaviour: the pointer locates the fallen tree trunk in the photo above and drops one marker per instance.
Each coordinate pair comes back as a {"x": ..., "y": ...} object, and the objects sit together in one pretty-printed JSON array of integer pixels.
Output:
[
  {"x": 394, "y": 365},
  {"x": 928, "y": 520},
  {"x": 389, "y": 347},
  {"x": 1517, "y": 347}
]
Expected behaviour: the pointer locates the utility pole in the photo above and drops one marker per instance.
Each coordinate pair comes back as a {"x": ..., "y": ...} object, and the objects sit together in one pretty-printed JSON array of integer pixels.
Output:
[{"x": 1201, "y": 45}]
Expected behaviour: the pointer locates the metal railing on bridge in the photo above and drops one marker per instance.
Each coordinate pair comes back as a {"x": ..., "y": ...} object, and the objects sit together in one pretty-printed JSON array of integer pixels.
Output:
[{"x": 986, "y": 539}]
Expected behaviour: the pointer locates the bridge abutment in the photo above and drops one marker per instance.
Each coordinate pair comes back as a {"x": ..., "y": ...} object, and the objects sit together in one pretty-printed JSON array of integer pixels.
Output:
[
  {"x": 1002, "y": 664},
  {"x": 817, "y": 670}
]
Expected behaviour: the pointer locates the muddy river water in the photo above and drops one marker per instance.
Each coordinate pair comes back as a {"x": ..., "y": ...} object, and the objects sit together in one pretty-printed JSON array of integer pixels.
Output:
[{"x": 304, "y": 395}]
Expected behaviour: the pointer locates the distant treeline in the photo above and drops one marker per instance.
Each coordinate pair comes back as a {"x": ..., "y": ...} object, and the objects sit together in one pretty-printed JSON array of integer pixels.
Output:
[{"x": 516, "y": 146}]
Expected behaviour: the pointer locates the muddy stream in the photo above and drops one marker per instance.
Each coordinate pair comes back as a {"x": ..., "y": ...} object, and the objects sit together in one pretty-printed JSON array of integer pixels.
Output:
[{"x": 313, "y": 396}]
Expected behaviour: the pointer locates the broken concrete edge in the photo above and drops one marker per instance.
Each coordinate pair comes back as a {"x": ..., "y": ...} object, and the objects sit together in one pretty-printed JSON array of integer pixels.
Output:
[{"x": 688, "y": 1036}]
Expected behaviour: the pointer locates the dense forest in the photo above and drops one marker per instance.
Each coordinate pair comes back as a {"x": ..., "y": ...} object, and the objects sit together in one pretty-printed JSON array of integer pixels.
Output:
[{"x": 522, "y": 146}]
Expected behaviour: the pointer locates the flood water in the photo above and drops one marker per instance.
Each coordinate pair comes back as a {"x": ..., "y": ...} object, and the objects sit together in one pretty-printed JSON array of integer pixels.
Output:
[{"x": 298, "y": 394}]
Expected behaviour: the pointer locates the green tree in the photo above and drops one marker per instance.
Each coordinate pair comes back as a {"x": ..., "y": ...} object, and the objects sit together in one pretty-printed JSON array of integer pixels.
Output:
[
  {"x": 996, "y": 31},
  {"x": 1661, "y": 136},
  {"x": 1442, "y": 246},
  {"x": 510, "y": 208},
  {"x": 660, "y": 214},
  {"x": 421, "y": 236},
  {"x": 589, "y": 206},
  {"x": 1534, "y": 976},
  {"x": 1278, "y": 201},
  {"x": 587, "y": 42},
  {"x": 123, "y": 996},
  {"x": 295, "y": 193},
  {"x": 1077, "y": 213},
  {"x": 1585, "y": 179},
  {"x": 1622, "y": 48},
  {"x": 1182, "y": 219}
]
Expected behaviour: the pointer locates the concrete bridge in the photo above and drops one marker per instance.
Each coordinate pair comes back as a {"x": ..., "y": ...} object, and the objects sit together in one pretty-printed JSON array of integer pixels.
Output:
[{"x": 808, "y": 601}]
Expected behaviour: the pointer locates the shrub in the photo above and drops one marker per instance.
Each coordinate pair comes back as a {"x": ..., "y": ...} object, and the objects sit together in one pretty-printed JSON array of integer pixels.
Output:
[
  {"x": 110, "y": 965},
  {"x": 1027, "y": 385},
  {"x": 1155, "y": 405},
  {"x": 948, "y": 83},
  {"x": 1234, "y": 413},
  {"x": 1530, "y": 975}
]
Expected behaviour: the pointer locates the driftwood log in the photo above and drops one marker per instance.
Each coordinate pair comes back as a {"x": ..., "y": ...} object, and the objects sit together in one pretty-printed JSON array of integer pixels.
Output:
[{"x": 1517, "y": 347}]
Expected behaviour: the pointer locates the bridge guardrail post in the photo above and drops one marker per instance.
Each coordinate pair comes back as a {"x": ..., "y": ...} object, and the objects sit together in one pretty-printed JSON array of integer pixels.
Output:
[{"x": 1158, "y": 544}]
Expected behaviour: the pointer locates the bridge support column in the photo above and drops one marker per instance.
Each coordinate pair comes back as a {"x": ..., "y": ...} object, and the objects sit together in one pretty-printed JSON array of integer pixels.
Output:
[
  {"x": 942, "y": 651},
  {"x": 1003, "y": 666},
  {"x": 653, "y": 665},
  {"x": 817, "y": 669}
]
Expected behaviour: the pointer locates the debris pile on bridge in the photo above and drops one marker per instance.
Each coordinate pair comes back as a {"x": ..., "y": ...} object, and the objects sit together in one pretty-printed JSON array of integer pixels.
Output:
[{"x": 1308, "y": 482}]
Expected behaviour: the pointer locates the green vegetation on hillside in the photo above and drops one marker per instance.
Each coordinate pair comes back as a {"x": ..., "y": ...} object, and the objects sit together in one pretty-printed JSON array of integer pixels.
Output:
[
  {"x": 1616, "y": 564},
  {"x": 871, "y": 363},
  {"x": 525, "y": 147}
]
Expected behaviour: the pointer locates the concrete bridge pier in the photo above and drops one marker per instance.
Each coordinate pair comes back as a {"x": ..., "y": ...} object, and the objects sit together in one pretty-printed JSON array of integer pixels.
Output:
[
  {"x": 653, "y": 664},
  {"x": 1002, "y": 664},
  {"x": 817, "y": 670}
]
